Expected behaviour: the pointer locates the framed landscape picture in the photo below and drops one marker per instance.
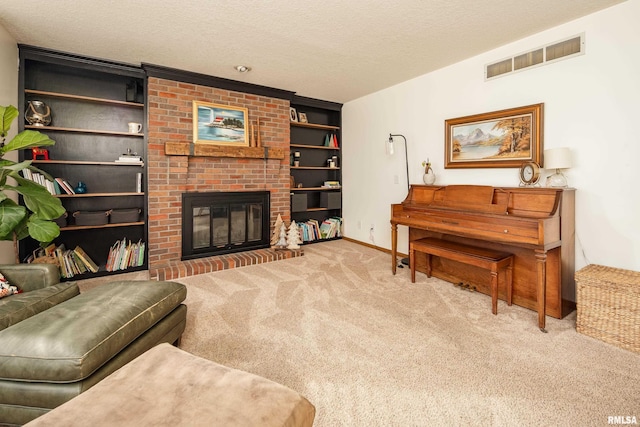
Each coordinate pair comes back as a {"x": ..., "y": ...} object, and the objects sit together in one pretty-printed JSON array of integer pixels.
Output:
[
  {"x": 219, "y": 124},
  {"x": 499, "y": 139}
]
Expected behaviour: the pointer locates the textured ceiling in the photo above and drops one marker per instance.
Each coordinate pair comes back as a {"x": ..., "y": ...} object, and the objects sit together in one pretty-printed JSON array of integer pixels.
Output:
[{"x": 334, "y": 50}]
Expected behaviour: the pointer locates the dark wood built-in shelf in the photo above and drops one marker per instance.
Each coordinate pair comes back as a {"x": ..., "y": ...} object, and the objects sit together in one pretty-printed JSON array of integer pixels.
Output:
[
  {"x": 83, "y": 98},
  {"x": 314, "y": 126},
  {"x": 87, "y": 227},
  {"x": 95, "y": 131},
  {"x": 315, "y": 188},
  {"x": 318, "y": 209},
  {"x": 85, "y": 162},
  {"x": 91, "y": 102},
  {"x": 314, "y": 167},
  {"x": 319, "y": 147},
  {"x": 313, "y": 202},
  {"x": 100, "y": 195}
]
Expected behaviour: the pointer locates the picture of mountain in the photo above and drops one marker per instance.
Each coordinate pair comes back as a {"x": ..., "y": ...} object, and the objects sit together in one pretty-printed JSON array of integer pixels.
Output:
[{"x": 492, "y": 140}]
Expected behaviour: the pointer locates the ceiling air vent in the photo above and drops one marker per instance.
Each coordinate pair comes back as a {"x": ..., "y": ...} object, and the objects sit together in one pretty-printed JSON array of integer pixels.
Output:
[{"x": 543, "y": 55}]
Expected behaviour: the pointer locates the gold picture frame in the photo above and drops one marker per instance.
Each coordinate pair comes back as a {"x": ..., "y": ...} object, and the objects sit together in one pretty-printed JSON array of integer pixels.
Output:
[
  {"x": 499, "y": 139},
  {"x": 220, "y": 124}
]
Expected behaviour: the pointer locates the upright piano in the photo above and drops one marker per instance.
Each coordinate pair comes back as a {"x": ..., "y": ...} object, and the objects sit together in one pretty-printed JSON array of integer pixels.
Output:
[{"x": 536, "y": 225}]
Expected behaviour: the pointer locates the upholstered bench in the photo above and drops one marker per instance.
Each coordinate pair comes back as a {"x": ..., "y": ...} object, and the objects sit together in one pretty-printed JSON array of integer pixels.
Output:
[
  {"x": 167, "y": 386},
  {"x": 484, "y": 258}
]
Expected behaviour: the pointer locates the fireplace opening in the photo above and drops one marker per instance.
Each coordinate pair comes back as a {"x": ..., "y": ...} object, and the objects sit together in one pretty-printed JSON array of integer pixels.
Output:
[{"x": 217, "y": 223}]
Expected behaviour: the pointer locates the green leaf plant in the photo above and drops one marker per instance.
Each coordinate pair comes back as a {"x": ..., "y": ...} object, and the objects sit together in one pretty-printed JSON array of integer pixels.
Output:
[{"x": 40, "y": 207}]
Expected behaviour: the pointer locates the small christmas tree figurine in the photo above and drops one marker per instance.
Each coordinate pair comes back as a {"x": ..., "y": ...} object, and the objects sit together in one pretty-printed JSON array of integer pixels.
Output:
[
  {"x": 276, "y": 231},
  {"x": 293, "y": 236},
  {"x": 282, "y": 238}
]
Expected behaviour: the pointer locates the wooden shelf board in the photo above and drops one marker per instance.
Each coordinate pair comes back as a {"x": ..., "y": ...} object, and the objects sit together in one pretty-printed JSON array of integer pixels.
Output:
[
  {"x": 62, "y": 196},
  {"x": 87, "y": 227},
  {"x": 83, "y": 98},
  {"x": 83, "y": 162},
  {"x": 314, "y": 167},
  {"x": 315, "y": 188},
  {"x": 210, "y": 150},
  {"x": 61, "y": 129},
  {"x": 318, "y": 147},
  {"x": 314, "y": 126}
]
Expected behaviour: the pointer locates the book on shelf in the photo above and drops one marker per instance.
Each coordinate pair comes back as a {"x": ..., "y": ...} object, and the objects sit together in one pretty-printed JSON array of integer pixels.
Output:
[
  {"x": 309, "y": 230},
  {"x": 129, "y": 159},
  {"x": 331, "y": 184},
  {"x": 123, "y": 255},
  {"x": 70, "y": 262},
  {"x": 65, "y": 186},
  {"x": 86, "y": 259},
  {"x": 40, "y": 179},
  {"x": 331, "y": 227}
]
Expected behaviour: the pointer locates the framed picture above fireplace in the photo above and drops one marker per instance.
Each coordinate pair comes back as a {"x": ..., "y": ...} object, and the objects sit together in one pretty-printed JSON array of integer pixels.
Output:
[{"x": 219, "y": 124}]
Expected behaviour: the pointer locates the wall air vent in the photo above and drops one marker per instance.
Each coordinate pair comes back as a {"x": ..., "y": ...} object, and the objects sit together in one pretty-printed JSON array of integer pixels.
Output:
[{"x": 553, "y": 52}]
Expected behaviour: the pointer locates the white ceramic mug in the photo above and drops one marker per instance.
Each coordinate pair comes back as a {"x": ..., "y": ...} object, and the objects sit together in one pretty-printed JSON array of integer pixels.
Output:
[{"x": 135, "y": 127}]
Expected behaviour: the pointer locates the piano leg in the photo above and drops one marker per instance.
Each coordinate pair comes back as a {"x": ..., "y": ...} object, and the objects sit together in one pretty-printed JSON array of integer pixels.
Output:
[
  {"x": 394, "y": 247},
  {"x": 541, "y": 287},
  {"x": 494, "y": 290}
]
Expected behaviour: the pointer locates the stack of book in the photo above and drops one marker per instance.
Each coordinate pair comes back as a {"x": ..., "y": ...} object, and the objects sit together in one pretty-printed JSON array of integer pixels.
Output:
[
  {"x": 309, "y": 231},
  {"x": 130, "y": 158},
  {"x": 331, "y": 227},
  {"x": 38, "y": 178},
  {"x": 70, "y": 262},
  {"x": 123, "y": 255},
  {"x": 331, "y": 184}
]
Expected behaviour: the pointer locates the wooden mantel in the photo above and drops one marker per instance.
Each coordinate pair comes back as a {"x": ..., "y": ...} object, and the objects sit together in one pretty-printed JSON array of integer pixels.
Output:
[{"x": 207, "y": 150}]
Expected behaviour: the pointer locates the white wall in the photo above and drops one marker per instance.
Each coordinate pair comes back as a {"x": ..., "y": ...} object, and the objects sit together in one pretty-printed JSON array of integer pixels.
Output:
[
  {"x": 8, "y": 96},
  {"x": 591, "y": 104}
]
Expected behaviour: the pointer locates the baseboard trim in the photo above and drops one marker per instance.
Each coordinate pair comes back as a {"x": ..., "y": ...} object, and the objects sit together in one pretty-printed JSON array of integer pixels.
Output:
[{"x": 369, "y": 245}]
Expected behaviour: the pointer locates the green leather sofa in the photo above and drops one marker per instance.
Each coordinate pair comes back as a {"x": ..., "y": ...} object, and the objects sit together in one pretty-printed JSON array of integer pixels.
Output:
[{"x": 56, "y": 342}]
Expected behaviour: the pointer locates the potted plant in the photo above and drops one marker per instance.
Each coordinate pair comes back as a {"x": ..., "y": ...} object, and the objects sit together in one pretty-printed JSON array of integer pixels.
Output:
[{"x": 41, "y": 207}]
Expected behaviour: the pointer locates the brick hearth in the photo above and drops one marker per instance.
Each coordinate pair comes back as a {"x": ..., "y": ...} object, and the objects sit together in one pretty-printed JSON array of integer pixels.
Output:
[
  {"x": 174, "y": 270},
  {"x": 170, "y": 120}
]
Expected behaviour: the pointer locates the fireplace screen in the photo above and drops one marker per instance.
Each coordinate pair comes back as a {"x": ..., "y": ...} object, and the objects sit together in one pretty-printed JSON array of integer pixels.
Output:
[{"x": 218, "y": 223}]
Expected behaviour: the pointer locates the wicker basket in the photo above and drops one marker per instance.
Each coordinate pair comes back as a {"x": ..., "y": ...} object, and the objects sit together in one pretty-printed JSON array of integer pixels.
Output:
[{"x": 608, "y": 302}]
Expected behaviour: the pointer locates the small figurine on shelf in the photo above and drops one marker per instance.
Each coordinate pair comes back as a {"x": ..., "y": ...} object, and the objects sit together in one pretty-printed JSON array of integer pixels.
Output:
[
  {"x": 293, "y": 236},
  {"x": 37, "y": 151},
  {"x": 282, "y": 238},
  {"x": 276, "y": 231},
  {"x": 81, "y": 188}
]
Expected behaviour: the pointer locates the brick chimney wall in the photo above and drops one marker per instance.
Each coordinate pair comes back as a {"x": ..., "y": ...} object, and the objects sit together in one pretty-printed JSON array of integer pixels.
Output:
[{"x": 170, "y": 119}]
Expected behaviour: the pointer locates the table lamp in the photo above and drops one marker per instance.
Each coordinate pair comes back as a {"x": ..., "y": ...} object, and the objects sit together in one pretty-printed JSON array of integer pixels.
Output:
[{"x": 557, "y": 158}]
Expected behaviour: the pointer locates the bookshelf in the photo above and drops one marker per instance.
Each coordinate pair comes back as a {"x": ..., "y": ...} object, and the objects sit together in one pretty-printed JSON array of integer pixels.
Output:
[
  {"x": 312, "y": 200},
  {"x": 91, "y": 103}
]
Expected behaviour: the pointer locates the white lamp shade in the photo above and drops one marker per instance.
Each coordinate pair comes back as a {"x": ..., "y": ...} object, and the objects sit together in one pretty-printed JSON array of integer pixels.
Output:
[{"x": 557, "y": 158}]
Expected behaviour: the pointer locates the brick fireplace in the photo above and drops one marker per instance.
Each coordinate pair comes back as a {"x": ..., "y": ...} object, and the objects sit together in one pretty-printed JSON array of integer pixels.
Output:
[{"x": 169, "y": 176}]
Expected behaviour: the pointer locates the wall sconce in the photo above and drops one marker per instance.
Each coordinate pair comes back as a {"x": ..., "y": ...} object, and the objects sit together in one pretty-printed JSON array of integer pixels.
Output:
[
  {"x": 390, "y": 150},
  {"x": 557, "y": 158}
]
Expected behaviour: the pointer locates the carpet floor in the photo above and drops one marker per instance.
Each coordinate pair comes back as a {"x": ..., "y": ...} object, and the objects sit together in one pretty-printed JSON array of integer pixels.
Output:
[{"x": 368, "y": 348}]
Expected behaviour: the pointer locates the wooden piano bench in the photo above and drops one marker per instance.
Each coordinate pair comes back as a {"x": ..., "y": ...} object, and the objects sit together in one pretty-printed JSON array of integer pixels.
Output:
[{"x": 480, "y": 257}]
